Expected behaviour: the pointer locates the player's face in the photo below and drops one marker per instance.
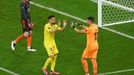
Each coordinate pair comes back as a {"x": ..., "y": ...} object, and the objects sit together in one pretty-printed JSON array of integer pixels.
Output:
[
  {"x": 53, "y": 20},
  {"x": 25, "y": 1},
  {"x": 89, "y": 22}
]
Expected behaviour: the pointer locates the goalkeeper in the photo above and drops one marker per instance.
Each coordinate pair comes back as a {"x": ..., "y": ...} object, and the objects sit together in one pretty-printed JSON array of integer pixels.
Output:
[
  {"x": 49, "y": 42},
  {"x": 91, "y": 49}
]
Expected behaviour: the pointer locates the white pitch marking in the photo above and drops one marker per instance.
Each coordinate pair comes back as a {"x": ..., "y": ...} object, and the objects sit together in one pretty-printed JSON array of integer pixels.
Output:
[
  {"x": 117, "y": 32},
  {"x": 95, "y": 1},
  {"x": 57, "y": 11},
  {"x": 116, "y": 72},
  {"x": 8, "y": 71},
  {"x": 123, "y": 22}
]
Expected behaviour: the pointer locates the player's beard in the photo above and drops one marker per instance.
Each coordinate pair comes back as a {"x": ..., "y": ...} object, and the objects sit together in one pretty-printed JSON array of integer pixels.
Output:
[{"x": 54, "y": 23}]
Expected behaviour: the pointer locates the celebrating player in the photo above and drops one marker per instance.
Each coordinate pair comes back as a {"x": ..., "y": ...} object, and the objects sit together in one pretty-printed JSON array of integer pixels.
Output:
[
  {"x": 49, "y": 42},
  {"x": 26, "y": 26},
  {"x": 91, "y": 49}
]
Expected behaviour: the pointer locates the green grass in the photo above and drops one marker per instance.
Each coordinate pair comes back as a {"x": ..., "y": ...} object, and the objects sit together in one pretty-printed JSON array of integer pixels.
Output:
[
  {"x": 115, "y": 53},
  {"x": 125, "y": 28}
]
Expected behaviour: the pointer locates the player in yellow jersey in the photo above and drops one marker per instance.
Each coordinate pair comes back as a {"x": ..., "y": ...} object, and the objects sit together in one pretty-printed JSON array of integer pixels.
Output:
[
  {"x": 91, "y": 50},
  {"x": 49, "y": 42}
]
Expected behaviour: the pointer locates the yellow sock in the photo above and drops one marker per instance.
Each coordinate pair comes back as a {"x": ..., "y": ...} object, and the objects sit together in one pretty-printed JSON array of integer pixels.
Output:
[
  {"x": 49, "y": 60},
  {"x": 53, "y": 63}
]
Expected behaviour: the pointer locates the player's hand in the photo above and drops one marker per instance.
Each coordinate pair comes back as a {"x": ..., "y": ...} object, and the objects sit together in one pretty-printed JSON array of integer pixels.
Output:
[
  {"x": 78, "y": 23},
  {"x": 64, "y": 23},
  {"x": 72, "y": 25},
  {"x": 59, "y": 22},
  {"x": 30, "y": 25},
  {"x": 52, "y": 56}
]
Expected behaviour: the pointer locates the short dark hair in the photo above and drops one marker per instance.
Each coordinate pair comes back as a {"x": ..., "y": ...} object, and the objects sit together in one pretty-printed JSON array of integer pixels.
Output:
[
  {"x": 90, "y": 18},
  {"x": 51, "y": 16}
]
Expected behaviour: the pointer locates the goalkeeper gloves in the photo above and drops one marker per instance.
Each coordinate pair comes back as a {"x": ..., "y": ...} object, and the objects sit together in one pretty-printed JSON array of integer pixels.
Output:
[
  {"x": 78, "y": 23},
  {"x": 72, "y": 25},
  {"x": 75, "y": 23}
]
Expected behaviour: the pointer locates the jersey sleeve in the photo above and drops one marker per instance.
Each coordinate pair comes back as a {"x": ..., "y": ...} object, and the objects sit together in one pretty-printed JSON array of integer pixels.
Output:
[
  {"x": 59, "y": 28},
  {"x": 47, "y": 28}
]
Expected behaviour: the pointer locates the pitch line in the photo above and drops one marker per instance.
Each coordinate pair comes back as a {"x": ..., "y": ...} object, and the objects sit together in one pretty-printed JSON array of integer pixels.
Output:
[
  {"x": 80, "y": 19},
  {"x": 95, "y": 1},
  {"x": 8, "y": 71},
  {"x": 116, "y": 72},
  {"x": 57, "y": 11},
  {"x": 123, "y": 22},
  {"x": 117, "y": 32}
]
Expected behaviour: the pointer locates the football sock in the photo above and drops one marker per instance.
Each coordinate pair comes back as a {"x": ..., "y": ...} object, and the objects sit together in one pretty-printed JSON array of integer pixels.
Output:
[
  {"x": 47, "y": 62},
  {"x": 85, "y": 65},
  {"x": 94, "y": 63},
  {"x": 29, "y": 40},
  {"x": 19, "y": 38},
  {"x": 53, "y": 63}
]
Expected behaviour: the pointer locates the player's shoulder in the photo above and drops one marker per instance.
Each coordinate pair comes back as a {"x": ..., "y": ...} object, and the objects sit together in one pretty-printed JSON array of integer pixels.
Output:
[
  {"x": 56, "y": 25},
  {"x": 95, "y": 25},
  {"x": 47, "y": 25}
]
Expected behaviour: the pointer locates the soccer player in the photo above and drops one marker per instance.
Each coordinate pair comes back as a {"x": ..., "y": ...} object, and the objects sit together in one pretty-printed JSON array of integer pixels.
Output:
[
  {"x": 91, "y": 49},
  {"x": 49, "y": 42},
  {"x": 26, "y": 26}
]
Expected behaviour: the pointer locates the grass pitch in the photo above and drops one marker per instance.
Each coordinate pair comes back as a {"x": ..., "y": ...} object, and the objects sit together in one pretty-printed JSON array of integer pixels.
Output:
[{"x": 115, "y": 53}]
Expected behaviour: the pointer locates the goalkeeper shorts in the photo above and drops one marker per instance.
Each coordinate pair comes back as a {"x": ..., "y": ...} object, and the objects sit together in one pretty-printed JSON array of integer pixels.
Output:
[{"x": 90, "y": 53}]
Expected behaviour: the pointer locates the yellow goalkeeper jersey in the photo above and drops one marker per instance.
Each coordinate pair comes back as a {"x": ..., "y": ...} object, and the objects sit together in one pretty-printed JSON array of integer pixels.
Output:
[{"x": 49, "y": 38}]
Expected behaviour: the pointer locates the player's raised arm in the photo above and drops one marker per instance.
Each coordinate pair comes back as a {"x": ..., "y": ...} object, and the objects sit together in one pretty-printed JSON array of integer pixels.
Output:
[{"x": 79, "y": 31}]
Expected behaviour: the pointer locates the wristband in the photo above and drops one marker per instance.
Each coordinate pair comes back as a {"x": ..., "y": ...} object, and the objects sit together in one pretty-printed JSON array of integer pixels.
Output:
[{"x": 80, "y": 25}]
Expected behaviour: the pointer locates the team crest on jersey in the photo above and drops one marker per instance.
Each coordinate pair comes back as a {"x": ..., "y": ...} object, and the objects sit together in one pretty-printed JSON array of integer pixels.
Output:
[{"x": 49, "y": 28}]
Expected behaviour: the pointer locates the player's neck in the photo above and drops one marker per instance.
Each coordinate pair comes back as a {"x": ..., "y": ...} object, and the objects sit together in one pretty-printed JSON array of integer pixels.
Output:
[
  {"x": 91, "y": 24},
  {"x": 51, "y": 23},
  {"x": 24, "y": 2}
]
